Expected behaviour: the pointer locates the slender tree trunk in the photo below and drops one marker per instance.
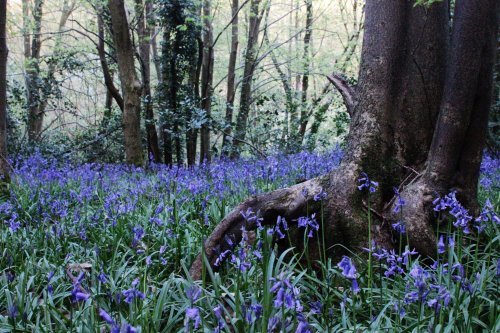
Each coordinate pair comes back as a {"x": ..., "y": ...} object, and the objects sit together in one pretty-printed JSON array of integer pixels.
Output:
[
  {"x": 290, "y": 105},
  {"x": 206, "y": 80},
  {"x": 248, "y": 72},
  {"x": 32, "y": 78},
  {"x": 4, "y": 51},
  {"x": 144, "y": 13},
  {"x": 419, "y": 116},
  {"x": 107, "y": 73},
  {"x": 194, "y": 84},
  {"x": 131, "y": 86},
  {"x": 231, "y": 79},
  {"x": 67, "y": 9},
  {"x": 170, "y": 87},
  {"x": 305, "y": 77}
]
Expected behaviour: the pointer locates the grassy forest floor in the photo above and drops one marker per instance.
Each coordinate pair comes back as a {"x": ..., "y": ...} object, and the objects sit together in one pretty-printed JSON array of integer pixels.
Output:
[{"x": 92, "y": 248}]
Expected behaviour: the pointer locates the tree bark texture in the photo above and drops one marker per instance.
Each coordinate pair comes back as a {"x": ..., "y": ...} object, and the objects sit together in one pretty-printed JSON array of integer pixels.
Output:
[
  {"x": 144, "y": 12},
  {"x": 131, "y": 86},
  {"x": 305, "y": 76},
  {"x": 207, "y": 75},
  {"x": 32, "y": 76},
  {"x": 248, "y": 72},
  {"x": 418, "y": 123},
  {"x": 4, "y": 52},
  {"x": 231, "y": 78}
]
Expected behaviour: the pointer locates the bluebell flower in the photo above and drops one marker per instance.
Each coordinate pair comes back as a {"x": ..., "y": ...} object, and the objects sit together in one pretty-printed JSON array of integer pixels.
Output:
[
  {"x": 365, "y": 182},
  {"x": 399, "y": 227},
  {"x": 316, "y": 307},
  {"x": 320, "y": 196},
  {"x": 257, "y": 310},
  {"x": 193, "y": 314},
  {"x": 102, "y": 277},
  {"x": 193, "y": 293},
  {"x": 273, "y": 324},
  {"x": 441, "y": 246},
  {"x": 303, "y": 326},
  {"x": 12, "y": 311},
  {"x": 285, "y": 294},
  {"x": 133, "y": 293},
  {"x": 220, "y": 319},
  {"x": 349, "y": 271},
  {"x": 348, "y": 268},
  {"x": 221, "y": 257},
  {"x": 399, "y": 201},
  {"x": 106, "y": 317},
  {"x": 79, "y": 295}
]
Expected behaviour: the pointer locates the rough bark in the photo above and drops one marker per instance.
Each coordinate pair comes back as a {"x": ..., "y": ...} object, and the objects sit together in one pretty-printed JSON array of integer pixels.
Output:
[
  {"x": 4, "y": 51},
  {"x": 459, "y": 138},
  {"x": 246, "y": 82},
  {"x": 131, "y": 86},
  {"x": 231, "y": 78},
  {"x": 408, "y": 77},
  {"x": 207, "y": 75},
  {"x": 347, "y": 92},
  {"x": 143, "y": 11}
]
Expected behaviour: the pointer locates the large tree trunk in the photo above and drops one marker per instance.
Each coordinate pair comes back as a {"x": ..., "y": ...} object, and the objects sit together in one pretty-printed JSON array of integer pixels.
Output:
[
  {"x": 131, "y": 86},
  {"x": 231, "y": 78},
  {"x": 207, "y": 75},
  {"x": 144, "y": 14},
  {"x": 246, "y": 82},
  {"x": 4, "y": 51},
  {"x": 413, "y": 90}
]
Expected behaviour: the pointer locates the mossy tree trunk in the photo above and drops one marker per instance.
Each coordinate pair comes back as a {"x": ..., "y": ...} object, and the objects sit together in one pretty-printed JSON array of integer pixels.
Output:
[
  {"x": 131, "y": 86},
  {"x": 418, "y": 123},
  {"x": 4, "y": 51}
]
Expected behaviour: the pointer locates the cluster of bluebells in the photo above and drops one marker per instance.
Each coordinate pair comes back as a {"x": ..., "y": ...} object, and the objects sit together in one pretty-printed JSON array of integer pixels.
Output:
[
  {"x": 461, "y": 217},
  {"x": 449, "y": 203},
  {"x": 394, "y": 264}
]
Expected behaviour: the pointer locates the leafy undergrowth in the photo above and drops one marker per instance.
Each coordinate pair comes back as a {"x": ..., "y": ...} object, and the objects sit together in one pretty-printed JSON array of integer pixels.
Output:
[{"x": 91, "y": 248}]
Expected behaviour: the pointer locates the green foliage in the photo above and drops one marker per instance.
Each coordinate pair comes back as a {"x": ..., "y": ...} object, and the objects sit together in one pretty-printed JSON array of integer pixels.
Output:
[
  {"x": 426, "y": 3},
  {"x": 79, "y": 219}
]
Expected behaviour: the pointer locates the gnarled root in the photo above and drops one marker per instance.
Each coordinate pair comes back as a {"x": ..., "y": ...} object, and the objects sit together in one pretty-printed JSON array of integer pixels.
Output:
[{"x": 290, "y": 203}]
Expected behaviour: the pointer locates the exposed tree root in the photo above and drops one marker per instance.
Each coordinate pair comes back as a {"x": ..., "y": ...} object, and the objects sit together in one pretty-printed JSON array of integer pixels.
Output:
[{"x": 345, "y": 218}]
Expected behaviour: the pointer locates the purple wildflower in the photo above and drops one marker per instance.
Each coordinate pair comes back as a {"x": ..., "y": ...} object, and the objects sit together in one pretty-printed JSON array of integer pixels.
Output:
[
  {"x": 349, "y": 271},
  {"x": 441, "y": 246},
  {"x": 106, "y": 317},
  {"x": 367, "y": 183},
  {"x": 193, "y": 314}
]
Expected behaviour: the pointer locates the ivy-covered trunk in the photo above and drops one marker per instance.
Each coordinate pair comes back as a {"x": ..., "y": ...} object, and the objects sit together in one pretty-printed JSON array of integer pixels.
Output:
[{"x": 418, "y": 124}]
